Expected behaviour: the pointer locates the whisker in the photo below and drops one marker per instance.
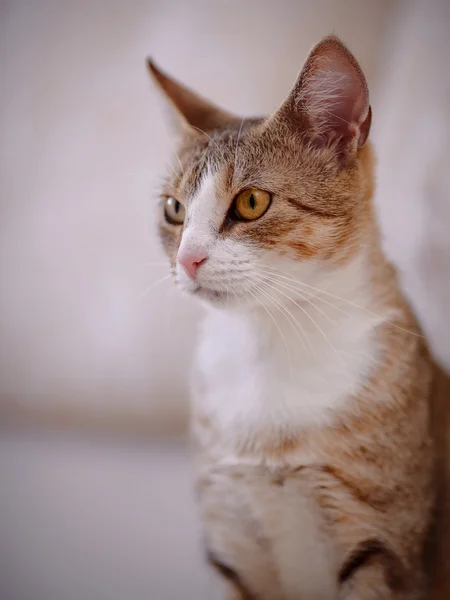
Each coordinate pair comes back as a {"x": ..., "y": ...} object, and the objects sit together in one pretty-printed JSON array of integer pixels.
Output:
[
  {"x": 301, "y": 293},
  {"x": 278, "y": 328},
  {"x": 310, "y": 318},
  {"x": 154, "y": 264},
  {"x": 293, "y": 322},
  {"x": 237, "y": 144},
  {"x": 169, "y": 138},
  {"x": 153, "y": 285},
  {"x": 228, "y": 295},
  {"x": 349, "y": 302},
  {"x": 349, "y": 355},
  {"x": 208, "y": 136},
  {"x": 296, "y": 290},
  {"x": 272, "y": 300},
  {"x": 288, "y": 315},
  {"x": 179, "y": 162},
  {"x": 315, "y": 296},
  {"x": 238, "y": 301},
  {"x": 338, "y": 355}
]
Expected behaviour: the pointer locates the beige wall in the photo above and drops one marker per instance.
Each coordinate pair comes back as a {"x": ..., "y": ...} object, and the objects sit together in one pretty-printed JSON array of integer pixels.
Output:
[
  {"x": 84, "y": 143},
  {"x": 85, "y": 517},
  {"x": 413, "y": 144}
]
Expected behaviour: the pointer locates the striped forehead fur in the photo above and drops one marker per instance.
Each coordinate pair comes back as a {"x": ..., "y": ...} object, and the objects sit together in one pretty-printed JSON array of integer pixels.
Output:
[{"x": 319, "y": 210}]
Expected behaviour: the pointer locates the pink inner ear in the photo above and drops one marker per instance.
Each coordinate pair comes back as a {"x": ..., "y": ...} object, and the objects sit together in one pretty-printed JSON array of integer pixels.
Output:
[{"x": 333, "y": 94}]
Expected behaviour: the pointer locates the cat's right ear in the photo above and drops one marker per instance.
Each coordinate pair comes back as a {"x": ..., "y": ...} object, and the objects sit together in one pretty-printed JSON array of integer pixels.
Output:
[
  {"x": 329, "y": 103},
  {"x": 189, "y": 112}
]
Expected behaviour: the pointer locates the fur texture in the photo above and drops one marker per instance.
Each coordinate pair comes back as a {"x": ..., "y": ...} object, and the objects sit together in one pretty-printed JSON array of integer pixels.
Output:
[{"x": 320, "y": 448}]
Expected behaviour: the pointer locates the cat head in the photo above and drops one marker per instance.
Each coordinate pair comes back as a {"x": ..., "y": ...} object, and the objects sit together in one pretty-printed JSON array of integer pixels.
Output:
[{"x": 253, "y": 200}]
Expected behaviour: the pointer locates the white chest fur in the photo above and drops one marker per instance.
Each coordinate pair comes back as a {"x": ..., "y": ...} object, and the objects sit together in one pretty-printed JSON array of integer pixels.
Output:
[{"x": 259, "y": 376}]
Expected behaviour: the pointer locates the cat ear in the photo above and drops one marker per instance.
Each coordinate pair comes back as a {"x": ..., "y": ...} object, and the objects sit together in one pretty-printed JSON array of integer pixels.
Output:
[
  {"x": 330, "y": 100},
  {"x": 190, "y": 110}
]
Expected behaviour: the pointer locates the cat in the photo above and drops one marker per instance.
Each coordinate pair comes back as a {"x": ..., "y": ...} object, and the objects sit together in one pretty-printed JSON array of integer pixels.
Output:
[{"x": 318, "y": 427}]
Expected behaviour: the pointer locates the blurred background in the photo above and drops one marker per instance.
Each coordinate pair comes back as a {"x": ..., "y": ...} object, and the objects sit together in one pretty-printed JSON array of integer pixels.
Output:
[{"x": 96, "y": 500}]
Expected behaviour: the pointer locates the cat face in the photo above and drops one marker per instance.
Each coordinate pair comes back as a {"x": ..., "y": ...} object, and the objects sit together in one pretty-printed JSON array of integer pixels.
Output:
[{"x": 251, "y": 200}]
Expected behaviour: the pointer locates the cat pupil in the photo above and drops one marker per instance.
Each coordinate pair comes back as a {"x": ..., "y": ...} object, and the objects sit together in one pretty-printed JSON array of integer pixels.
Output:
[
  {"x": 177, "y": 206},
  {"x": 252, "y": 202}
]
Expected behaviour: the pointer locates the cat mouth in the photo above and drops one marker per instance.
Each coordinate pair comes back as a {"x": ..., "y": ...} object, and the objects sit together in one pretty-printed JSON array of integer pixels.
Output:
[
  {"x": 208, "y": 293},
  {"x": 219, "y": 297}
]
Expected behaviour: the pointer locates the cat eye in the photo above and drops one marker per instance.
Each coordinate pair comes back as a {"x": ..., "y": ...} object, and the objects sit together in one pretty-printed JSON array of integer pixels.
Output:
[
  {"x": 174, "y": 211},
  {"x": 251, "y": 204}
]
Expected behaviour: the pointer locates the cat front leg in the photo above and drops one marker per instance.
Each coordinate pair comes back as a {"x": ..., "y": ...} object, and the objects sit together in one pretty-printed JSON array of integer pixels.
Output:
[
  {"x": 372, "y": 572},
  {"x": 234, "y": 586},
  {"x": 378, "y": 556}
]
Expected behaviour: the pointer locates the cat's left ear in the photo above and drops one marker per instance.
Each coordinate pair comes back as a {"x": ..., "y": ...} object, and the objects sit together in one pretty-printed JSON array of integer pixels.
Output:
[
  {"x": 329, "y": 103},
  {"x": 190, "y": 111}
]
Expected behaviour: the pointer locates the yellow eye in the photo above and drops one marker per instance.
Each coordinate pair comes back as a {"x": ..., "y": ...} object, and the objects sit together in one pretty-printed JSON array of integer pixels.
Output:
[
  {"x": 174, "y": 211},
  {"x": 251, "y": 204}
]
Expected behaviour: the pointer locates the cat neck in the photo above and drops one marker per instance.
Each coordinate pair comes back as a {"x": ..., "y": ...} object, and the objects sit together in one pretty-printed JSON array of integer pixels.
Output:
[
  {"x": 280, "y": 369},
  {"x": 363, "y": 291}
]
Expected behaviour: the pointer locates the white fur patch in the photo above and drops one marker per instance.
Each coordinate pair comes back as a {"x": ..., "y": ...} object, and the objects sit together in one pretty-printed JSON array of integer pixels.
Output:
[
  {"x": 229, "y": 263},
  {"x": 278, "y": 360},
  {"x": 261, "y": 378},
  {"x": 260, "y": 381},
  {"x": 200, "y": 231}
]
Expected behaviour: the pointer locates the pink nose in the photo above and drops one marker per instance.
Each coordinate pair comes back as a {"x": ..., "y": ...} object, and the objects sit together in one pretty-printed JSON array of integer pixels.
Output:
[{"x": 191, "y": 261}]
